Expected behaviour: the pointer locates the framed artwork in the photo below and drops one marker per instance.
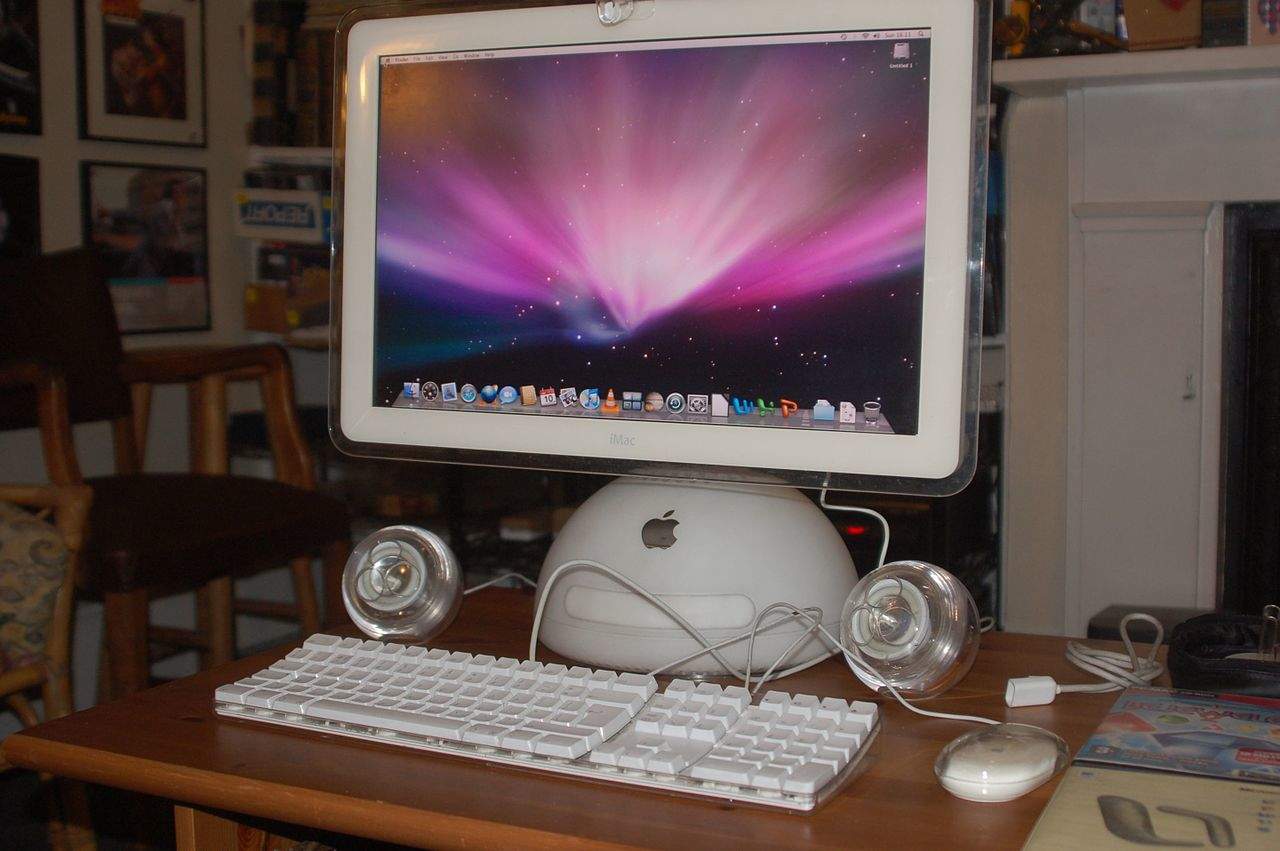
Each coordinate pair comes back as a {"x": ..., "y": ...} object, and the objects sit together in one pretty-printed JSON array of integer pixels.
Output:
[
  {"x": 142, "y": 71},
  {"x": 19, "y": 206},
  {"x": 150, "y": 223},
  {"x": 19, "y": 67}
]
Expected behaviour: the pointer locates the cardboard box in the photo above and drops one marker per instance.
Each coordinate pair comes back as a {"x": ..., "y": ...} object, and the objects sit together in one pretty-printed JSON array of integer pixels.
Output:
[
  {"x": 265, "y": 308},
  {"x": 270, "y": 307},
  {"x": 1162, "y": 24}
]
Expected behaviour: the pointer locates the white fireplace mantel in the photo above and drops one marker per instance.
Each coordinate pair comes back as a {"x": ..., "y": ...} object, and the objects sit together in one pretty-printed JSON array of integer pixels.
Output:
[
  {"x": 1055, "y": 75},
  {"x": 1117, "y": 170}
]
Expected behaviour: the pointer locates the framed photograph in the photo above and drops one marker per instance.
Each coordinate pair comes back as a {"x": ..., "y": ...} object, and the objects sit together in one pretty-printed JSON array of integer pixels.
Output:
[
  {"x": 150, "y": 223},
  {"x": 142, "y": 71},
  {"x": 19, "y": 66},
  {"x": 19, "y": 206}
]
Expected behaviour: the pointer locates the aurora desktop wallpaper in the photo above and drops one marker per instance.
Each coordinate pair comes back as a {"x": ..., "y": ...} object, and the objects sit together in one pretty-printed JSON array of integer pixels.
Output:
[{"x": 743, "y": 219}]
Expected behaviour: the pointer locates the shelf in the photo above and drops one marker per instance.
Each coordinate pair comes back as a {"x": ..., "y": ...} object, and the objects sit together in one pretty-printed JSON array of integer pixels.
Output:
[
  {"x": 259, "y": 155},
  {"x": 1057, "y": 74}
]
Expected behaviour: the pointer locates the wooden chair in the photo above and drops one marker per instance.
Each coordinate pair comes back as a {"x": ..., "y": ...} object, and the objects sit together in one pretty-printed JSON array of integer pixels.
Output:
[
  {"x": 41, "y": 657},
  {"x": 154, "y": 534}
]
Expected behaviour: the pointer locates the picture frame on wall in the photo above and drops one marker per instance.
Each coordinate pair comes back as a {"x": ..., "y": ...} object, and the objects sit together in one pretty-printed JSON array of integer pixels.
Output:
[
  {"x": 150, "y": 224},
  {"x": 19, "y": 207},
  {"x": 142, "y": 71},
  {"x": 20, "y": 67}
]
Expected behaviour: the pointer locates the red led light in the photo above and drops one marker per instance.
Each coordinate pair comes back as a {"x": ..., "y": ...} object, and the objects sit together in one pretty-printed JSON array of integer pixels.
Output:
[{"x": 855, "y": 530}]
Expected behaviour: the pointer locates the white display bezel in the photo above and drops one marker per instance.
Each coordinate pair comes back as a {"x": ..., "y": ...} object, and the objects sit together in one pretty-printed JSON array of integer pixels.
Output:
[{"x": 936, "y": 452}]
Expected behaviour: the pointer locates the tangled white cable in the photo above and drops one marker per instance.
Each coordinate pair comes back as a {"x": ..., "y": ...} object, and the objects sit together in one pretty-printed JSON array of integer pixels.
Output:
[
  {"x": 1117, "y": 670},
  {"x": 811, "y": 615}
]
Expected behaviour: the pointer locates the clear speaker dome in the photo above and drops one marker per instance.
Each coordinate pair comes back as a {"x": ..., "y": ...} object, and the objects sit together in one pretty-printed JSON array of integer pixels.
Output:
[
  {"x": 915, "y": 625},
  {"x": 402, "y": 582}
]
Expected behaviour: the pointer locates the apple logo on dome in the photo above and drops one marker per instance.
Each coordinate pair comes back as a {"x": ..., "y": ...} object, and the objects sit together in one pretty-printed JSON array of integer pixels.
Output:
[{"x": 660, "y": 532}]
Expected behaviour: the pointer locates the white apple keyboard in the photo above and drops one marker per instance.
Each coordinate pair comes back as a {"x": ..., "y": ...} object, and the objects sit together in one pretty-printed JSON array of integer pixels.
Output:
[{"x": 789, "y": 751}]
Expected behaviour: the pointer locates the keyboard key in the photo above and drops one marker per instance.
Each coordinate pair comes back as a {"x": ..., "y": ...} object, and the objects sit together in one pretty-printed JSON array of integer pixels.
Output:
[
  {"x": 846, "y": 744},
  {"x": 553, "y": 744},
  {"x": 608, "y": 697},
  {"x": 679, "y": 725},
  {"x": 577, "y": 676},
  {"x": 805, "y": 705},
  {"x": 294, "y": 703},
  {"x": 831, "y": 757},
  {"x": 723, "y": 713},
  {"x": 321, "y": 641},
  {"x": 607, "y": 719},
  {"x": 721, "y": 770},
  {"x": 760, "y": 715},
  {"x": 608, "y": 753},
  {"x": 707, "y": 730},
  {"x": 636, "y": 684},
  {"x": 833, "y": 708},
  {"x": 633, "y": 756},
  {"x": 808, "y": 778},
  {"x": 521, "y": 740},
  {"x": 588, "y": 735},
  {"x": 736, "y": 697},
  {"x": 234, "y": 693},
  {"x": 601, "y": 679},
  {"x": 666, "y": 761},
  {"x": 483, "y": 734},
  {"x": 649, "y": 721},
  {"x": 261, "y": 697},
  {"x": 769, "y": 777},
  {"x": 390, "y": 719}
]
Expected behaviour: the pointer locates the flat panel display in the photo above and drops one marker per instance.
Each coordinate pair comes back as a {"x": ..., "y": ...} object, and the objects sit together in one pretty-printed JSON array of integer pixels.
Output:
[{"x": 720, "y": 231}]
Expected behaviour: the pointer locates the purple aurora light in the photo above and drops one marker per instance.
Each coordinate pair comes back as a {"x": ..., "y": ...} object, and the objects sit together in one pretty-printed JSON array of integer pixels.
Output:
[{"x": 587, "y": 199}]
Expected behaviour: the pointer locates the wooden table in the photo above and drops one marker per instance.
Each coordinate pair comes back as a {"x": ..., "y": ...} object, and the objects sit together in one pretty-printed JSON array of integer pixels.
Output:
[{"x": 168, "y": 742}]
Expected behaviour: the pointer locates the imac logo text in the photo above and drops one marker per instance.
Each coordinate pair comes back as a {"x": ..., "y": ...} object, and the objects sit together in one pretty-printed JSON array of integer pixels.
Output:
[{"x": 616, "y": 439}]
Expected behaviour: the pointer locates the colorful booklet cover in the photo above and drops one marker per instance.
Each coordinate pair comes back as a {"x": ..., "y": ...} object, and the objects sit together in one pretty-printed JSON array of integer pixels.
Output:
[{"x": 1216, "y": 735}]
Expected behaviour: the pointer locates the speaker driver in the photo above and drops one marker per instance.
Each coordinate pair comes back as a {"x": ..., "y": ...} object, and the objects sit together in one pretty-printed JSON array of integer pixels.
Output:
[
  {"x": 915, "y": 625},
  {"x": 402, "y": 582}
]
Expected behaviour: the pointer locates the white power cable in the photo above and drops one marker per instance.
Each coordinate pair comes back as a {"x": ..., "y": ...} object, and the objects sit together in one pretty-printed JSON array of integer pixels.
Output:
[
  {"x": 706, "y": 644},
  {"x": 857, "y": 509},
  {"x": 854, "y": 659},
  {"x": 495, "y": 580},
  {"x": 812, "y": 615},
  {"x": 1116, "y": 670}
]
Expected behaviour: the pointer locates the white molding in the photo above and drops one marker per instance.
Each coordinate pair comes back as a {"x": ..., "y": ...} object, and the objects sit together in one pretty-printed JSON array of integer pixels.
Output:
[
  {"x": 1058, "y": 74},
  {"x": 1208, "y": 574},
  {"x": 1142, "y": 215},
  {"x": 1074, "y": 623}
]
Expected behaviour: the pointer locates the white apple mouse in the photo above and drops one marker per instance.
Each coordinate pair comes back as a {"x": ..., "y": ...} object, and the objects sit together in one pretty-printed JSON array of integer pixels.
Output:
[{"x": 1000, "y": 762}]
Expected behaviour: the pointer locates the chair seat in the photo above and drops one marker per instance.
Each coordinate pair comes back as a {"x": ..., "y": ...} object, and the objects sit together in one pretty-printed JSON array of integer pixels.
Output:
[{"x": 171, "y": 532}]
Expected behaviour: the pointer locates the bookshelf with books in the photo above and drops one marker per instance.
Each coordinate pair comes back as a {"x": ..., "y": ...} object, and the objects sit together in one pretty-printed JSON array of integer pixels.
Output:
[{"x": 283, "y": 205}]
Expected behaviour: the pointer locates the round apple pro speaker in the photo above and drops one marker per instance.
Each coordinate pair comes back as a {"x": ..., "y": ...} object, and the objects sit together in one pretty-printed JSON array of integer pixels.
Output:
[
  {"x": 402, "y": 582},
  {"x": 915, "y": 625}
]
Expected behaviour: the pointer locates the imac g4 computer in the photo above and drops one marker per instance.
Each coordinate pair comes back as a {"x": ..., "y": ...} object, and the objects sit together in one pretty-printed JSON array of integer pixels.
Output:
[{"x": 720, "y": 249}]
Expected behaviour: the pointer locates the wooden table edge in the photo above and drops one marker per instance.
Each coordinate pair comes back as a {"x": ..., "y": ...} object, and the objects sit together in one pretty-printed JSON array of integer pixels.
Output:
[{"x": 324, "y": 810}]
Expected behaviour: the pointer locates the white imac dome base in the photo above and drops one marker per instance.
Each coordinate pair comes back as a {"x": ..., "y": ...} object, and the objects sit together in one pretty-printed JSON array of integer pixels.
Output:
[{"x": 716, "y": 553}]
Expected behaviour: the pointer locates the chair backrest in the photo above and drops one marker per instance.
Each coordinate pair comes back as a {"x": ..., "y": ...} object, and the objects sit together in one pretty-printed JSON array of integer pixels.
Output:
[{"x": 56, "y": 310}]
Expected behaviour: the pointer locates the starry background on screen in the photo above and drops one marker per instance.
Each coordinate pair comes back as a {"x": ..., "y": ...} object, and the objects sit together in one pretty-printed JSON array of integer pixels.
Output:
[{"x": 744, "y": 219}]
